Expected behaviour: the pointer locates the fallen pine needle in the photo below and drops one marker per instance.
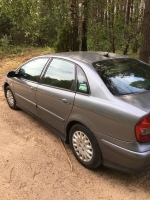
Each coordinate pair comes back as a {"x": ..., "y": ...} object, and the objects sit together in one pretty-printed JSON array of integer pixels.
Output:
[{"x": 67, "y": 155}]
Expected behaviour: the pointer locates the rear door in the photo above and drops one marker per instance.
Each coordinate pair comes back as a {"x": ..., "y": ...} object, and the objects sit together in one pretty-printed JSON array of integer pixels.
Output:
[
  {"x": 25, "y": 84},
  {"x": 55, "y": 95}
]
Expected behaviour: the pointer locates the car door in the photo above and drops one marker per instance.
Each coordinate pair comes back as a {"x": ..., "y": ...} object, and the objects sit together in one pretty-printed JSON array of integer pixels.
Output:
[
  {"x": 55, "y": 95},
  {"x": 26, "y": 82}
]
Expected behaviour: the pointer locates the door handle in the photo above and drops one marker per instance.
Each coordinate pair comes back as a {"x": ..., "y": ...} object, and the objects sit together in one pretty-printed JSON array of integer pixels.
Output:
[{"x": 66, "y": 101}]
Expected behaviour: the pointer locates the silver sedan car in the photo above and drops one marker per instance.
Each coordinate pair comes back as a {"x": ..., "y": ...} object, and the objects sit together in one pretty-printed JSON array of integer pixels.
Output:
[{"x": 97, "y": 102}]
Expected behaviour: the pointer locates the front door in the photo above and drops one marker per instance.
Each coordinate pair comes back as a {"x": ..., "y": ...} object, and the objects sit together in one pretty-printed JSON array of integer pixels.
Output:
[{"x": 25, "y": 84}]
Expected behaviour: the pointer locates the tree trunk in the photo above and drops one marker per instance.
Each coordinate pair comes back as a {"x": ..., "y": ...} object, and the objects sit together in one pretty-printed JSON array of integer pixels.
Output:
[
  {"x": 84, "y": 25},
  {"x": 145, "y": 48},
  {"x": 128, "y": 13},
  {"x": 111, "y": 9},
  {"x": 138, "y": 19},
  {"x": 127, "y": 45},
  {"x": 74, "y": 25},
  {"x": 112, "y": 26}
]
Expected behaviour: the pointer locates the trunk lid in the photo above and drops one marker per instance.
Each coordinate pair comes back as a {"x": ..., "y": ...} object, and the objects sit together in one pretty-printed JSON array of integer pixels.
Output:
[{"x": 140, "y": 100}]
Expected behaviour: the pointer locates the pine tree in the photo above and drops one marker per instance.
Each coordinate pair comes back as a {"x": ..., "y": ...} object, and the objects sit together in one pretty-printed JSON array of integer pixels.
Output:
[{"x": 145, "y": 48}]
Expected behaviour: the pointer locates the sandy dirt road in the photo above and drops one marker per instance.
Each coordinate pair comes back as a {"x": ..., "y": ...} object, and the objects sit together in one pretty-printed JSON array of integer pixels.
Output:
[{"x": 34, "y": 166}]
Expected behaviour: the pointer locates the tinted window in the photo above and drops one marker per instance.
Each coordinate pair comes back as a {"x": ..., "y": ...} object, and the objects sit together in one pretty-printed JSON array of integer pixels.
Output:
[
  {"x": 32, "y": 70},
  {"x": 124, "y": 76},
  {"x": 82, "y": 84},
  {"x": 60, "y": 73}
]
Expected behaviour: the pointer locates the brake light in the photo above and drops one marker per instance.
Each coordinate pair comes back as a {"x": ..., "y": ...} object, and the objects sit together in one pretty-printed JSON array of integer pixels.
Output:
[{"x": 142, "y": 130}]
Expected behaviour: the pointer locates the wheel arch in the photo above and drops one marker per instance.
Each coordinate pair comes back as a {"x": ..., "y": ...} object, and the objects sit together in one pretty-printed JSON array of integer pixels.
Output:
[
  {"x": 5, "y": 85},
  {"x": 70, "y": 125}
]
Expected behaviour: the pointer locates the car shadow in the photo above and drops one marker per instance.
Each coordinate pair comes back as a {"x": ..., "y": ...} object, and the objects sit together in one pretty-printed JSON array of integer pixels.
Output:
[{"x": 138, "y": 180}]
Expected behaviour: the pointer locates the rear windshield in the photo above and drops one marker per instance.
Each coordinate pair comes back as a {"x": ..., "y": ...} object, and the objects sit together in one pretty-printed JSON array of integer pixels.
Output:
[{"x": 124, "y": 75}]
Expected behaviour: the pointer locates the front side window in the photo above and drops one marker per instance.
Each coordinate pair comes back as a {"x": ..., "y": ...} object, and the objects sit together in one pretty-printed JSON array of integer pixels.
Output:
[
  {"x": 60, "y": 73},
  {"x": 82, "y": 83},
  {"x": 124, "y": 75},
  {"x": 32, "y": 70}
]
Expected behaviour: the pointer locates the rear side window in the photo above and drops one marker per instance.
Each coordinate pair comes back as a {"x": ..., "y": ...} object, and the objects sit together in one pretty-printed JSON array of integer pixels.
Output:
[
  {"x": 60, "y": 73},
  {"x": 32, "y": 70},
  {"x": 124, "y": 75},
  {"x": 82, "y": 83}
]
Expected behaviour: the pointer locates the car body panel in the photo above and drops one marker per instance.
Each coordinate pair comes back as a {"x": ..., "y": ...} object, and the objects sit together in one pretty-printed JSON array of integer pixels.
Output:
[
  {"x": 141, "y": 100},
  {"x": 119, "y": 123},
  {"x": 54, "y": 105},
  {"x": 111, "y": 119},
  {"x": 124, "y": 159},
  {"x": 25, "y": 92}
]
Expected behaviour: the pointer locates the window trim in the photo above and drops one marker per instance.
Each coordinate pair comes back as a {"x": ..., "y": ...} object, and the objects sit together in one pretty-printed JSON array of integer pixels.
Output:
[
  {"x": 72, "y": 89},
  {"x": 18, "y": 69},
  {"x": 82, "y": 93}
]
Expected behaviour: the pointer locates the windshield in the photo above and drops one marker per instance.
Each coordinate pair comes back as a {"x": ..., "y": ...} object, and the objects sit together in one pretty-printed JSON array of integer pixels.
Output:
[{"x": 124, "y": 75}]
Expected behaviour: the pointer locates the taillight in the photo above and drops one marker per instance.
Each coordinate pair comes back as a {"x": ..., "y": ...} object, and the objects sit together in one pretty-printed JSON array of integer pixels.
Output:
[{"x": 142, "y": 130}]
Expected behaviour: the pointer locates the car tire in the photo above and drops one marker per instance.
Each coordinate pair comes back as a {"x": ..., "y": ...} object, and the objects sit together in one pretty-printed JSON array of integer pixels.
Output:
[
  {"x": 10, "y": 98},
  {"x": 85, "y": 146}
]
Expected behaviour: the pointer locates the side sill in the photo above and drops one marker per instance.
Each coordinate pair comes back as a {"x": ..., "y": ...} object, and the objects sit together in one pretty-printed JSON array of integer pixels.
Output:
[{"x": 54, "y": 130}]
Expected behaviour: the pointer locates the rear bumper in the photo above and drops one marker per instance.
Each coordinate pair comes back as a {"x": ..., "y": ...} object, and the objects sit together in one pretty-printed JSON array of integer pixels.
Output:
[
  {"x": 124, "y": 159},
  {"x": 125, "y": 156}
]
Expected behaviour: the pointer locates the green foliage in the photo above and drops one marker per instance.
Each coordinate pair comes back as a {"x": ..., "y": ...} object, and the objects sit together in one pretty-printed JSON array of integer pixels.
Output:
[
  {"x": 64, "y": 42},
  {"x": 6, "y": 46},
  {"x": 113, "y": 31},
  {"x": 21, "y": 18},
  {"x": 49, "y": 23},
  {"x": 5, "y": 42},
  {"x": 97, "y": 38}
]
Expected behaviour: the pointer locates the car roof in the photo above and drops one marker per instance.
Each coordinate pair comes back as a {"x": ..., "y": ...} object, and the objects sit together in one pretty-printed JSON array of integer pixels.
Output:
[{"x": 89, "y": 56}]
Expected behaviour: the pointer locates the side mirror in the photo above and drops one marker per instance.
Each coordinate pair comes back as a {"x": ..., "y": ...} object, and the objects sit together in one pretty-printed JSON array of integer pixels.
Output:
[{"x": 11, "y": 74}]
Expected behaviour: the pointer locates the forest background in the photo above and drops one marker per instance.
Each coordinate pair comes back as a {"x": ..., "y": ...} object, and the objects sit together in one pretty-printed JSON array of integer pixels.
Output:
[{"x": 119, "y": 26}]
